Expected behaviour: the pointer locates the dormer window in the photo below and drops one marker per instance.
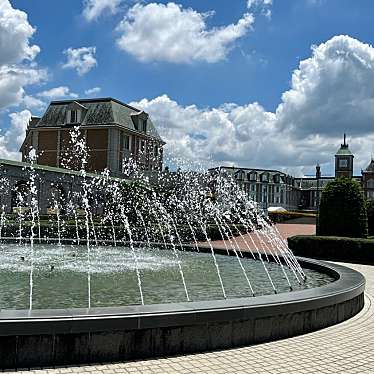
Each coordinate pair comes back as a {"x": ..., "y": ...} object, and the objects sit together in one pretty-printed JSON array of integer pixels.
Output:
[
  {"x": 73, "y": 116},
  {"x": 75, "y": 112},
  {"x": 252, "y": 176},
  {"x": 143, "y": 125}
]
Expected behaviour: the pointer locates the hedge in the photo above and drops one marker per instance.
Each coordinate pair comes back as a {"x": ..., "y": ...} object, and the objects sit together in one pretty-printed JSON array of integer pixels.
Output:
[
  {"x": 342, "y": 210},
  {"x": 355, "y": 250},
  {"x": 69, "y": 230},
  {"x": 370, "y": 212}
]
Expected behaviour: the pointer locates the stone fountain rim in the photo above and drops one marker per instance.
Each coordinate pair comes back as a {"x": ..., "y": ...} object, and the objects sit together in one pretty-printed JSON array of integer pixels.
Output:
[{"x": 348, "y": 285}]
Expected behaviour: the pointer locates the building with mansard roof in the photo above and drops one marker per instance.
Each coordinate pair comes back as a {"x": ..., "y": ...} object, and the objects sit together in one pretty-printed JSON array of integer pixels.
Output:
[
  {"x": 117, "y": 136},
  {"x": 269, "y": 188},
  {"x": 115, "y": 133}
]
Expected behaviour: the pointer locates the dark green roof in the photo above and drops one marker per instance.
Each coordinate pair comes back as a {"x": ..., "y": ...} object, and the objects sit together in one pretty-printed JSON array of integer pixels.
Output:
[
  {"x": 344, "y": 151},
  {"x": 102, "y": 111}
]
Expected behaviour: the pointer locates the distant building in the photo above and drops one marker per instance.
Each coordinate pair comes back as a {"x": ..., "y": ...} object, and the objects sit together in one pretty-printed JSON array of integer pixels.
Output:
[
  {"x": 308, "y": 188},
  {"x": 266, "y": 187},
  {"x": 368, "y": 180},
  {"x": 343, "y": 168},
  {"x": 344, "y": 161},
  {"x": 115, "y": 133},
  {"x": 274, "y": 188}
]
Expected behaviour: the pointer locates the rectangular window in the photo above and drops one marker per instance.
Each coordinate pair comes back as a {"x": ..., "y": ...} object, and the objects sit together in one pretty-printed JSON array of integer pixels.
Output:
[
  {"x": 73, "y": 116},
  {"x": 126, "y": 142},
  {"x": 343, "y": 163},
  {"x": 143, "y": 125}
]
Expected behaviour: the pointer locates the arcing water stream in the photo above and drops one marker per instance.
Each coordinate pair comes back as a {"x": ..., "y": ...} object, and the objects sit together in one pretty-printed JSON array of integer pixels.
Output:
[{"x": 178, "y": 212}]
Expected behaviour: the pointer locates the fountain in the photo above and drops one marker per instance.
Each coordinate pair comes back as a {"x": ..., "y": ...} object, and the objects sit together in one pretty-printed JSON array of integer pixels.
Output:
[{"x": 129, "y": 269}]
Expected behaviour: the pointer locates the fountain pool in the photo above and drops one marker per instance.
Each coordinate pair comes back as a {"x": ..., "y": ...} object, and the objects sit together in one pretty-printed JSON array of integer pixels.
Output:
[{"x": 60, "y": 277}]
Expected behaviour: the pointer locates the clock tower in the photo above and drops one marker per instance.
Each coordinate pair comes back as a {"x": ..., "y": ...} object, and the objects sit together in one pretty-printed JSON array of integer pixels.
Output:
[{"x": 344, "y": 161}]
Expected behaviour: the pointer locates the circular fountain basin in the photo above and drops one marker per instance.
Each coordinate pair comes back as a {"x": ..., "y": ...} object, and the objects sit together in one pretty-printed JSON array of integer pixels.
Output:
[
  {"x": 60, "y": 277},
  {"x": 71, "y": 335}
]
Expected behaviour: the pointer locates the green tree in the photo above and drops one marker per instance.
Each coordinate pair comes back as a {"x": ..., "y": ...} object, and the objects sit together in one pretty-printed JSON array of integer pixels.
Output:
[
  {"x": 370, "y": 212},
  {"x": 342, "y": 210}
]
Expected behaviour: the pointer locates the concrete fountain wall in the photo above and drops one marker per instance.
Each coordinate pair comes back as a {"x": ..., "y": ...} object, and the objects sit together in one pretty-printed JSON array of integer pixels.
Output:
[{"x": 72, "y": 336}]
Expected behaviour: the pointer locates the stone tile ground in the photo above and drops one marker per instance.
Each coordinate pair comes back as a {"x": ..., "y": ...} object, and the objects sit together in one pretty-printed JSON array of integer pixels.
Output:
[
  {"x": 285, "y": 229},
  {"x": 346, "y": 348}
]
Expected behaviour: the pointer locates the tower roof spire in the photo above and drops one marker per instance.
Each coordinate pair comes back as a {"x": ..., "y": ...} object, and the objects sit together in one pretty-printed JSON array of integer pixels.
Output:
[
  {"x": 345, "y": 144},
  {"x": 344, "y": 149}
]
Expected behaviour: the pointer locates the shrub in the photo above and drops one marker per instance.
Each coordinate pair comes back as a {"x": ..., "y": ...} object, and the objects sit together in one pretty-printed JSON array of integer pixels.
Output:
[
  {"x": 333, "y": 248},
  {"x": 370, "y": 213},
  {"x": 342, "y": 210}
]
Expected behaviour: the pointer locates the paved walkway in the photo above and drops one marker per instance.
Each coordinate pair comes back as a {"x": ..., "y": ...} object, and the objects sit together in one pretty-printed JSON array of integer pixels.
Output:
[
  {"x": 257, "y": 240},
  {"x": 346, "y": 348}
]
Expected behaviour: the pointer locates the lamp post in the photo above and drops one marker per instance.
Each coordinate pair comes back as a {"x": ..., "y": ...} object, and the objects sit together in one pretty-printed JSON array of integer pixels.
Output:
[
  {"x": 265, "y": 190},
  {"x": 318, "y": 176}
]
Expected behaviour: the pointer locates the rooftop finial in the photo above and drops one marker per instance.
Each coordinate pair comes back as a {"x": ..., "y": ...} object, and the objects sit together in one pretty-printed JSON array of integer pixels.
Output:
[{"x": 344, "y": 139}]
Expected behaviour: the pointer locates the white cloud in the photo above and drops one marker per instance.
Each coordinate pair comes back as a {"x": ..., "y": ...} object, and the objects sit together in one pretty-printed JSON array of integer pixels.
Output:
[
  {"x": 252, "y": 3},
  {"x": 13, "y": 79},
  {"x": 12, "y": 139},
  {"x": 229, "y": 134},
  {"x": 31, "y": 102},
  {"x": 15, "y": 32},
  {"x": 57, "y": 92},
  {"x": 17, "y": 69},
  {"x": 158, "y": 32},
  {"x": 92, "y": 91},
  {"x": 93, "y": 9},
  {"x": 262, "y": 5},
  {"x": 82, "y": 59},
  {"x": 331, "y": 92}
]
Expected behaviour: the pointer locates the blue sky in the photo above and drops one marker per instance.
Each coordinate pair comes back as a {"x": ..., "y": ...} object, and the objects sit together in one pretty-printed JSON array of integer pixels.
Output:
[
  {"x": 187, "y": 91},
  {"x": 257, "y": 69}
]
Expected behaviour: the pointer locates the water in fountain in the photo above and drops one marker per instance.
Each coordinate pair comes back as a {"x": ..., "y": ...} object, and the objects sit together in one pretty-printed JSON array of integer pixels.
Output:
[{"x": 154, "y": 228}]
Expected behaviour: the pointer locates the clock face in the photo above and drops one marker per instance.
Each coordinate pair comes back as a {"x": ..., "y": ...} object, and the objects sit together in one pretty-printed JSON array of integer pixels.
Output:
[{"x": 343, "y": 163}]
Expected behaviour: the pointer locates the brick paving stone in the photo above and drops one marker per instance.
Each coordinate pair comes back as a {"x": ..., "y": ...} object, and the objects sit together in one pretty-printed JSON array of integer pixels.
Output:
[{"x": 256, "y": 241}]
